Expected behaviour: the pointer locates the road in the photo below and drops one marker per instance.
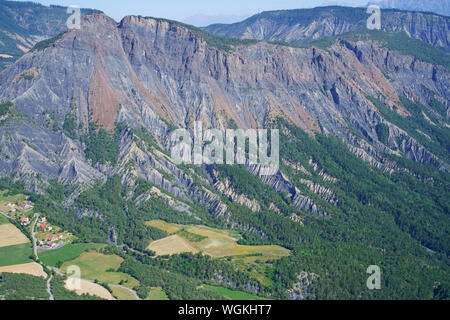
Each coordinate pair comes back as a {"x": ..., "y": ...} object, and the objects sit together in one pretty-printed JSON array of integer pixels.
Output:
[
  {"x": 5, "y": 214},
  {"x": 49, "y": 288},
  {"x": 128, "y": 289},
  {"x": 59, "y": 246},
  {"x": 33, "y": 235}
]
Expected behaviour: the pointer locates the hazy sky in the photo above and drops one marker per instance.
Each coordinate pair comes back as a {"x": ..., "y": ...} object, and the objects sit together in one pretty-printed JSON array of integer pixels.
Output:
[{"x": 183, "y": 9}]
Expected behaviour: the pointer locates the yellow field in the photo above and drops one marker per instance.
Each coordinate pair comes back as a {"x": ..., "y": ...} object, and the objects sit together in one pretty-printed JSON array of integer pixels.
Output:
[
  {"x": 171, "y": 245},
  {"x": 33, "y": 268},
  {"x": 218, "y": 243},
  {"x": 91, "y": 288},
  {"x": 170, "y": 228},
  {"x": 94, "y": 266},
  {"x": 10, "y": 236}
]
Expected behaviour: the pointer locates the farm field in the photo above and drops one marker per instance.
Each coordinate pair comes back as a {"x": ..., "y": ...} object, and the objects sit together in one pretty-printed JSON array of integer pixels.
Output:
[
  {"x": 122, "y": 294},
  {"x": 91, "y": 288},
  {"x": 57, "y": 257},
  {"x": 10, "y": 236},
  {"x": 171, "y": 245},
  {"x": 96, "y": 266},
  {"x": 214, "y": 242},
  {"x": 170, "y": 228},
  {"x": 232, "y": 294},
  {"x": 17, "y": 254},
  {"x": 33, "y": 269},
  {"x": 157, "y": 294}
]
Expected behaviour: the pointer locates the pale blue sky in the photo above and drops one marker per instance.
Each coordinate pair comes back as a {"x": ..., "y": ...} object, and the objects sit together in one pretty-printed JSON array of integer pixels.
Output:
[{"x": 183, "y": 9}]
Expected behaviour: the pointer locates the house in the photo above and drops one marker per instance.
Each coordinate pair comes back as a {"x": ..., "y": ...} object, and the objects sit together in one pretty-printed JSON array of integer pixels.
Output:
[
  {"x": 52, "y": 244},
  {"x": 51, "y": 238},
  {"x": 24, "y": 220},
  {"x": 42, "y": 227},
  {"x": 24, "y": 206},
  {"x": 60, "y": 236},
  {"x": 12, "y": 210},
  {"x": 43, "y": 219},
  {"x": 10, "y": 204}
]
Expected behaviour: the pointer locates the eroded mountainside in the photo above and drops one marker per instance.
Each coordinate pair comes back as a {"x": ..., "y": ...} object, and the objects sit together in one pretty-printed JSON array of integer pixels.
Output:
[
  {"x": 364, "y": 146},
  {"x": 300, "y": 27},
  {"x": 436, "y": 6},
  {"x": 23, "y": 24},
  {"x": 149, "y": 73}
]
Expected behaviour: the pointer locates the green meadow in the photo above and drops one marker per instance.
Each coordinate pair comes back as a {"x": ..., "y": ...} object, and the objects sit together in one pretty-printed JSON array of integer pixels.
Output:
[
  {"x": 57, "y": 257},
  {"x": 233, "y": 294},
  {"x": 17, "y": 254}
]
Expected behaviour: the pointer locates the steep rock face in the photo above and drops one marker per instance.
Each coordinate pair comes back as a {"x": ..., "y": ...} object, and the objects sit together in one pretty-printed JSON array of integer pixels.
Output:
[
  {"x": 299, "y": 290},
  {"x": 303, "y": 25},
  {"x": 281, "y": 183},
  {"x": 154, "y": 74},
  {"x": 226, "y": 190}
]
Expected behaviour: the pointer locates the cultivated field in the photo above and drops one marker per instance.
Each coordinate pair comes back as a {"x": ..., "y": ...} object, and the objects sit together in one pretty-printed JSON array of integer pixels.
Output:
[
  {"x": 214, "y": 242},
  {"x": 13, "y": 255},
  {"x": 68, "y": 252},
  {"x": 96, "y": 266},
  {"x": 91, "y": 288},
  {"x": 171, "y": 245},
  {"x": 122, "y": 294},
  {"x": 10, "y": 236},
  {"x": 170, "y": 228},
  {"x": 157, "y": 294},
  {"x": 33, "y": 268}
]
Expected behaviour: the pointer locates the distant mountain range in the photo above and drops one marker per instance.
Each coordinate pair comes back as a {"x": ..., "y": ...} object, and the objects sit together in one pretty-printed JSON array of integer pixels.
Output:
[
  {"x": 300, "y": 27},
  {"x": 436, "y": 6}
]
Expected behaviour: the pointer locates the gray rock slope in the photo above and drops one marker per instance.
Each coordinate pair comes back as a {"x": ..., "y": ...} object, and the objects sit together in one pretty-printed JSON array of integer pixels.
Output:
[{"x": 153, "y": 74}]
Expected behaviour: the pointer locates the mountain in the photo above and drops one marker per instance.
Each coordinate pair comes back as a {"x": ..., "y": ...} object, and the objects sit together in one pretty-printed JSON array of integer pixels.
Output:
[
  {"x": 300, "y": 27},
  {"x": 23, "y": 24},
  {"x": 437, "y": 6},
  {"x": 364, "y": 147}
]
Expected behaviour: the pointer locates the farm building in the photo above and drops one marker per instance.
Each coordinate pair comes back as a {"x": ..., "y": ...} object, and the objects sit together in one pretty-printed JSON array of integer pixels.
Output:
[{"x": 24, "y": 220}]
